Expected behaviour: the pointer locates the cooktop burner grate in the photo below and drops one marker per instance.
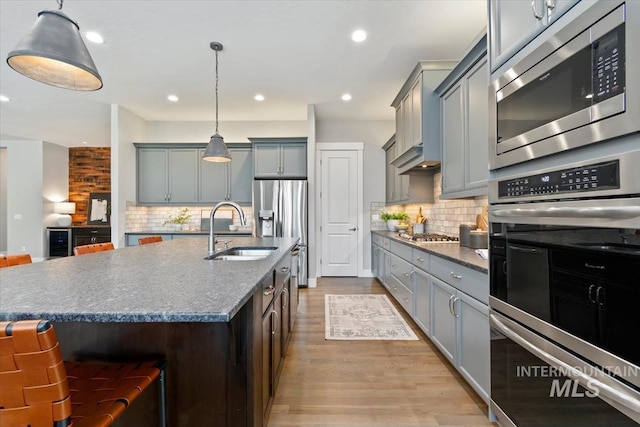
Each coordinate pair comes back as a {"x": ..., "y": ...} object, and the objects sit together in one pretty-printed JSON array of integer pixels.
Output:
[{"x": 429, "y": 237}]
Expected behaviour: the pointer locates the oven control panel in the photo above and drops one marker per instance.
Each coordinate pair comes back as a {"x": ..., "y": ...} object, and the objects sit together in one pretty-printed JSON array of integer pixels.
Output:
[{"x": 595, "y": 177}]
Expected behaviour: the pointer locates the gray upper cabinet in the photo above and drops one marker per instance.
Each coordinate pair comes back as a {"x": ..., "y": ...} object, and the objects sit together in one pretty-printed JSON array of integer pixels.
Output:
[
  {"x": 227, "y": 181},
  {"x": 279, "y": 158},
  {"x": 464, "y": 104},
  {"x": 176, "y": 174},
  {"x": 418, "y": 116},
  {"x": 416, "y": 187},
  {"x": 167, "y": 175},
  {"x": 514, "y": 23}
]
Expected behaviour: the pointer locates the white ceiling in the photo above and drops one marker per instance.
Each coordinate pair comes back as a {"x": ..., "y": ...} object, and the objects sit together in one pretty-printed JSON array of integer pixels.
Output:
[{"x": 295, "y": 53}]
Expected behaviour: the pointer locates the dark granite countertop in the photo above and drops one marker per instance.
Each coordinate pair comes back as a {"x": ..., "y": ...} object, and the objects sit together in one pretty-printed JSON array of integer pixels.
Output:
[
  {"x": 192, "y": 232},
  {"x": 161, "y": 282},
  {"x": 451, "y": 251}
]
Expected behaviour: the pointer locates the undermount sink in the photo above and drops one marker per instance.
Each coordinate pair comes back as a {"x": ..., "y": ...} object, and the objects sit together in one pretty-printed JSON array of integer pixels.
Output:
[
  {"x": 617, "y": 247},
  {"x": 244, "y": 253}
]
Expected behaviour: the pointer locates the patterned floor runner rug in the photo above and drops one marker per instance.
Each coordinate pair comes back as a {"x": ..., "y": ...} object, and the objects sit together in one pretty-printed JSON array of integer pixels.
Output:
[{"x": 364, "y": 317}]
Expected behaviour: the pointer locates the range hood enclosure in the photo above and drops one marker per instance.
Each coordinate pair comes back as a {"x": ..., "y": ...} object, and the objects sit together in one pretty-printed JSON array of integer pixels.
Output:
[{"x": 418, "y": 117}]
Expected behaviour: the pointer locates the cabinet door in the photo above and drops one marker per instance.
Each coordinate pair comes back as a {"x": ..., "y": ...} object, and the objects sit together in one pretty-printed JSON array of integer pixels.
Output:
[
  {"x": 559, "y": 9},
  {"x": 266, "y": 160},
  {"x": 294, "y": 160},
  {"x": 452, "y": 139},
  {"x": 390, "y": 175},
  {"x": 277, "y": 337},
  {"x": 402, "y": 188},
  {"x": 477, "y": 125},
  {"x": 423, "y": 300},
  {"x": 407, "y": 126},
  {"x": 386, "y": 277},
  {"x": 399, "y": 125},
  {"x": 473, "y": 343},
  {"x": 374, "y": 260},
  {"x": 443, "y": 326},
  {"x": 240, "y": 178},
  {"x": 183, "y": 175},
  {"x": 286, "y": 318},
  {"x": 153, "y": 175},
  {"x": 213, "y": 180},
  {"x": 416, "y": 113},
  {"x": 513, "y": 24},
  {"x": 267, "y": 375}
]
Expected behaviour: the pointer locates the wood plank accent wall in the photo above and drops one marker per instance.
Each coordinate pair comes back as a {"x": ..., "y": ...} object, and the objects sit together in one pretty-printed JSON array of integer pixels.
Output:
[{"x": 89, "y": 172}]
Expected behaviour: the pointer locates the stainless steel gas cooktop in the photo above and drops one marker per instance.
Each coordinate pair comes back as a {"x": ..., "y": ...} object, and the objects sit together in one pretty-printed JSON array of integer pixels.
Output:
[{"x": 429, "y": 238}]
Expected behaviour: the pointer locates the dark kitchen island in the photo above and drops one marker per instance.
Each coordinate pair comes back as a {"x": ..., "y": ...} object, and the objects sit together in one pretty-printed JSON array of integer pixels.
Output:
[{"x": 165, "y": 300}]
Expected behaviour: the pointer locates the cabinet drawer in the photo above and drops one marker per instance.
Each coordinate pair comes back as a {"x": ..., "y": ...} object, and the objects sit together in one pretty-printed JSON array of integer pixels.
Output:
[
  {"x": 376, "y": 239},
  {"x": 402, "y": 270},
  {"x": 420, "y": 260},
  {"x": 402, "y": 250},
  {"x": 402, "y": 294},
  {"x": 472, "y": 282}
]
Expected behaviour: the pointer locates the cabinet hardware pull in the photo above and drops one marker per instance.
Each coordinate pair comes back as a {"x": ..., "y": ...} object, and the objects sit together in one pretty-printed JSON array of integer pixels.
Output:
[
  {"x": 420, "y": 259},
  {"x": 595, "y": 267},
  {"x": 285, "y": 269},
  {"x": 455, "y": 300},
  {"x": 535, "y": 12},
  {"x": 353, "y": 229},
  {"x": 406, "y": 299},
  {"x": 269, "y": 291},
  {"x": 285, "y": 302},
  {"x": 275, "y": 324},
  {"x": 456, "y": 276},
  {"x": 451, "y": 305},
  {"x": 592, "y": 299},
  {"x": 600, "y": 296},
  {"x": 551, "y": 4},
  {"x": 407, "y": 274}
]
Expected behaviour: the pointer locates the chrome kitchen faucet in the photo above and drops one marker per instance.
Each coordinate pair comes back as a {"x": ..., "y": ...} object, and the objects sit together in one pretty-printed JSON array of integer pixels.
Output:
[{"x": 212, "y": 238}]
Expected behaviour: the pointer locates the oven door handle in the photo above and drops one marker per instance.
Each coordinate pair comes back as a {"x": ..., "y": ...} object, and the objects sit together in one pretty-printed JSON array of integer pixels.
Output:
[
  {"x": 585, "y": 380},
  {"x": 613, "y": 212}
]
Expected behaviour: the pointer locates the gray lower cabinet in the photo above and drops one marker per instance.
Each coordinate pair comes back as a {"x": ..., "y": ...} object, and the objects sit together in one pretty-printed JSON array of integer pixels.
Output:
[
  {"x": 278, "y": 158},
  {"x": 227, "y": 181},
  {"x": 422, "y": 296},
  {"x": 167, "y": 175},
  {"x": 443, "y": 325}
]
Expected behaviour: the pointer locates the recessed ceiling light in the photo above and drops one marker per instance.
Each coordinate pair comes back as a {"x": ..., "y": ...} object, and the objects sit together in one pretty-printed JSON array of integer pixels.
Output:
[
  {"x": 94, "y": 37},
  {"x": 346, "y": 97},
  {"x": 4, "y": 98},
  {"x": 85, "y": 142},
  {"x": 173, "y": 98},
  {"x": 259, "y": 97},
  {"x": 359, "y": 36}
]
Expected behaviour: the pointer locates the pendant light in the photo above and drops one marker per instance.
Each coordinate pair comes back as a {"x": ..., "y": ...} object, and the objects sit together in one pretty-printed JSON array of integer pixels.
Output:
[
  {"x": 54, "y": 53},
  {"x": 216, "y": 149}
]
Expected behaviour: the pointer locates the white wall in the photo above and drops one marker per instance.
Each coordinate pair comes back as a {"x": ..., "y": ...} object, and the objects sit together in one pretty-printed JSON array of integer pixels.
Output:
[
  {"x": 3, "y": 199},
  {"x": 230, "y": 131},
  {"x": 374, "y": 134},
  {"x": 126, "y": 128},
  {"x": 37, "y": 175}
]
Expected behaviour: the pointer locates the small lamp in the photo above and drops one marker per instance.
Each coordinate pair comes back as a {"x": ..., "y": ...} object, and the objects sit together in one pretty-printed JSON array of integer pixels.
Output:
[
  {"x": 64, "y": 209},
  {"x": 54, "y": 53},
  {"x": 216, "y": 149}
]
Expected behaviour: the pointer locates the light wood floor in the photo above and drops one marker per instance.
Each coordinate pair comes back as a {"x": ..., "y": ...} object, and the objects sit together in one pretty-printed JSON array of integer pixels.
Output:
[{"x": 367, "y": 383}]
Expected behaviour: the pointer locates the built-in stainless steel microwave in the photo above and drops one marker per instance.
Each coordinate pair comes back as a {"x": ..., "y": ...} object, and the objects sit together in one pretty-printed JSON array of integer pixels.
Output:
[{"x": 579, "y": 87}]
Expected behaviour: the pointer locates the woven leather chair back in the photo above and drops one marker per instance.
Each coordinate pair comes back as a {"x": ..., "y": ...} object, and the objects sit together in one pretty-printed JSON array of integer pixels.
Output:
[
  {"x": 3, "y": 261},
  {"x": 94, "y": 247},
  {"x": 149, "y": 239},
  {"x": 33, "y": 380}
]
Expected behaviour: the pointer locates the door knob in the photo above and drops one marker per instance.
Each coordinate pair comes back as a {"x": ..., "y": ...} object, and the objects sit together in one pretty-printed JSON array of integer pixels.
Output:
[{"x": 353, "y": 229}]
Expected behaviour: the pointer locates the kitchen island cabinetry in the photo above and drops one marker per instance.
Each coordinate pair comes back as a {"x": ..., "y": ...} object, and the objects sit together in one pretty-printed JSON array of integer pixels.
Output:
[
  {"x": 88, "y": 235},
  {"x": 464, "y": 103},
  {"x": 279, "y": 158},
  {"x": 204, "y": 316}
]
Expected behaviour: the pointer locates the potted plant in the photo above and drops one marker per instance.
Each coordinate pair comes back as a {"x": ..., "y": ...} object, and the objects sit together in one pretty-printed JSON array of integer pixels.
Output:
[
  {"x": 178, "y": 219},
  {"x": 394, "y": 219}
]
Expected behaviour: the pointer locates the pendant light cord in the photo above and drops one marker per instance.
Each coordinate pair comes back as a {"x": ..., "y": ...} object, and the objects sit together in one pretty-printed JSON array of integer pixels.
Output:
[
  {"x": 216, "y": 91},
  {"x": 60, "y": 4}
]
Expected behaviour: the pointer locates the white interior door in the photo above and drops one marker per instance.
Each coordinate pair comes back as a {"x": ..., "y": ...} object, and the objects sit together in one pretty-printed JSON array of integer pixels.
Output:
[{"x": 339, "y": 200}]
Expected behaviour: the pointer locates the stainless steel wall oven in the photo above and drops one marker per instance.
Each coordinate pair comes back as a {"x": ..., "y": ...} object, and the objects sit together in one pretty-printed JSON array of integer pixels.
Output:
[
  {"x": 565, "y": 292},
  {"x": 580, "y": 87}
]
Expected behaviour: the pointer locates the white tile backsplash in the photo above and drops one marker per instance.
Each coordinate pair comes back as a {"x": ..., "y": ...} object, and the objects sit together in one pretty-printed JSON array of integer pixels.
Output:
[{"x": 443, "y": 216}]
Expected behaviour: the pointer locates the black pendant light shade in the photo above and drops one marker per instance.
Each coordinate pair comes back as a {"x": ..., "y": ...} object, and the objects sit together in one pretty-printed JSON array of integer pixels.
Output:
[
  {"x": 54, "y": 53},
  {"x": 216, "y": 149}
]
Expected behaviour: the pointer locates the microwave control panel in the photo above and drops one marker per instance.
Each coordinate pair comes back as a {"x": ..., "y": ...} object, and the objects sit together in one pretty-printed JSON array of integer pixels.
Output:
[{"x": 595, "y": 177}]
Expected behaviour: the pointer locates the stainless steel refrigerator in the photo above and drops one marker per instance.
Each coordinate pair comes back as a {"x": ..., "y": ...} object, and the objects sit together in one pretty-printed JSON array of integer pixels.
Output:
[{"x": 280, "y": 210}]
